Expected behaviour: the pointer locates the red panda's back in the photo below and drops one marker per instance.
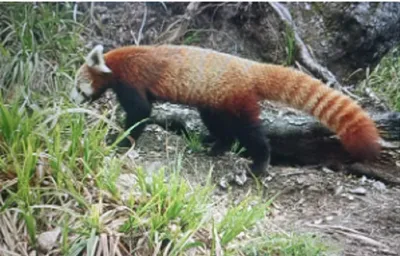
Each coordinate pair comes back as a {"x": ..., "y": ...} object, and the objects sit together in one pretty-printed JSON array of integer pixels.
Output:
[{"x": 198, "y": 76}]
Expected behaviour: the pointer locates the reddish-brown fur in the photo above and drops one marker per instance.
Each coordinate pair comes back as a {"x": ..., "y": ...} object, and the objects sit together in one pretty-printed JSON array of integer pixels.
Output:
[{"x": 201, "y": 77}]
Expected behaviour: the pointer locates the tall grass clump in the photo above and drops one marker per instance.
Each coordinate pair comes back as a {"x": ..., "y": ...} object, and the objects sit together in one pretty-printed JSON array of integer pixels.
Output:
[
  {"x": 291, "y": 244},
  {"x": 39, "y": 44},
  {"x": 61, "y": 180},
  {"x": 385, "y": 79}
]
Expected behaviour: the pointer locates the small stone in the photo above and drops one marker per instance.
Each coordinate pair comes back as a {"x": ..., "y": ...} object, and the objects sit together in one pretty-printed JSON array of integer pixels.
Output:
[
  {"x": 358, "y": 191},
  {"x": 379, "y": 185},
  {"x": 327, "y": 170},
  {"x": 225, "y": 180},
  {"x": 314, "y": 188},
  {"x": 241, "y": 178},
  {"x": 300, "y": 180},
  {"x": 268, "y": 178},
  {"x": 317, "y": 222},
  {"x": 363, "y": 180},
  {"x": 153, "y": 166},
  {"x": 48, "y": 240},
  {"x": 126, "y": 181},
  {"x": 338, "y": 190},
  {"x": 329, "y": 218},
  {"x": 350, "y": 197}
]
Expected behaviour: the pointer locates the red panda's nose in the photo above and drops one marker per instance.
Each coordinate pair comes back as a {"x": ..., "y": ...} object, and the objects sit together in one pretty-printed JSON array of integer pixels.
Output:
[{"x": 78, "y": 96}]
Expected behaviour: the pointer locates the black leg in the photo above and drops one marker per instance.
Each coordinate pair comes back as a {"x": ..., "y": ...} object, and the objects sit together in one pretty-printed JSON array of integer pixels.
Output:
[
  {"x": 218, "y": 124},
  {"x": 137, "y": 108},
  {"x": 253, "y": 138},
  {"x": 251, "y": 135},
  {"x": 137, "y": 121}
]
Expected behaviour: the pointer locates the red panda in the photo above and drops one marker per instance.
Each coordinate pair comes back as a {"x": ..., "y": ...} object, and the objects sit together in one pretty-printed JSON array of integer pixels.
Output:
[{"x": 225, "y": 89}]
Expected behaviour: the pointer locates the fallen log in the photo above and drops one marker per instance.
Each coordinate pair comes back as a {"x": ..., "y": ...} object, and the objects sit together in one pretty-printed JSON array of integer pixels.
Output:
[{"x": 301, "y": 140}]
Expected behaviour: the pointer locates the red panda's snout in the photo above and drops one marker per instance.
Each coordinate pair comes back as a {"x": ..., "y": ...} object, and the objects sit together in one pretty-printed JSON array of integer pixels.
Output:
[{"x": 83, "y": 89}]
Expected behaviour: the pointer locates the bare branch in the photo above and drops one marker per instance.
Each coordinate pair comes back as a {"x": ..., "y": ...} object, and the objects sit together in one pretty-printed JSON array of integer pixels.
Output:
[
  {"x": 140, "y": 34},
  {"x": 75, "y": 11},
  {"x": 305, "y": 57},
  {"x": 171, "y": 35}
]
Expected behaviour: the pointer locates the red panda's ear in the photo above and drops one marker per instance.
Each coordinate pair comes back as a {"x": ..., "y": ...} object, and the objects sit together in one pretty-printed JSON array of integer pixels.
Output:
[{"x": 95, "y": 60}]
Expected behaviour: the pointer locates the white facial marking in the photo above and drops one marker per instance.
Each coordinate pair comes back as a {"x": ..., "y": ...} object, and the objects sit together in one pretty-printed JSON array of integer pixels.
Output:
[
  {"x": 86, "y": 89},
  {"x": 76, "y": 96}
]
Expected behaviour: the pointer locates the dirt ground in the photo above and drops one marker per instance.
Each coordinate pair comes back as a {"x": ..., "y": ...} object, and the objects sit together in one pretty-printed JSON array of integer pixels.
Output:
[
  {"x": 359, "y": 216},
  {"x": 355, "y": 215}
]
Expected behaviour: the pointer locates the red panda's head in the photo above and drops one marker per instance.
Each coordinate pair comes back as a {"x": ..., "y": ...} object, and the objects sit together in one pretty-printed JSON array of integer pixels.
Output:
[{"x": 92, "y": 78}]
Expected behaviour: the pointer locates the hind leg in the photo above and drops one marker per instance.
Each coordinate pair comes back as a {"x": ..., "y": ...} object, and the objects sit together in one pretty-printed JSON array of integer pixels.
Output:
[
  {"x": 246, "y": 127},
  {"x": 249, "y": 131},
  {"x": 252, "y": 137},
  {"x": 218, "y": 124}
]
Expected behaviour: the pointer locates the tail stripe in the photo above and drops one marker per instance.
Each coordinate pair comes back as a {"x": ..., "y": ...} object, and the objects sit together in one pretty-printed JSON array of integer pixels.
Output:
[
  {"x": 311, "y": 98},
  {"x": 320, "y": 103},
  {"x": 329, "y": 108},
  {"x": 335, "y": 110},
  {"x": 348, "y": 119},
  {"x": 333, "y": 120},
  {"x": 302, "y": 93}
]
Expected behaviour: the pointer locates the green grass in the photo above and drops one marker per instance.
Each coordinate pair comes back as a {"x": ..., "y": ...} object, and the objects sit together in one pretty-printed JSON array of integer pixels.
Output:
[
  {"x": 385, "y": 79},
  {"x": 287, "y": 245},
  {"x": 163, "y": 210},
  {"x": 290, "y": 46},
  {"x": 237, "y": 148},
  {"x": 57, "y": 171},
  {"x": 35, "y": 38},
  {"x": 192, "y": 37},
  {"x": 194, "y": 142}
]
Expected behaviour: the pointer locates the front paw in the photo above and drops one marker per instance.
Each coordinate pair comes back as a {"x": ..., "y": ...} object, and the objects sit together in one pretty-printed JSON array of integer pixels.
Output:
[{"x": 260, "y": 168}]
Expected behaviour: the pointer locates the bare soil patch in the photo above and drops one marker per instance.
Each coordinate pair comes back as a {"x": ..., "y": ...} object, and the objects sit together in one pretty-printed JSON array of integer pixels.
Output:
[{"x": 357, "y": 216}]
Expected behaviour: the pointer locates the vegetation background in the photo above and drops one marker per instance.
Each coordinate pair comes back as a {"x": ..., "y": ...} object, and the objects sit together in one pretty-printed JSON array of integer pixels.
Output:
[{"x": 65, "y": 191}]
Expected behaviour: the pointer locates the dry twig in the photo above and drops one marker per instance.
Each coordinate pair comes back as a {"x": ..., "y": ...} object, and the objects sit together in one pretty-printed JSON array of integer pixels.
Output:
[
  {"x": 352, "y": 233},
  {"x": 171, "y": 35},
  {"x": 305, "y": 57}
]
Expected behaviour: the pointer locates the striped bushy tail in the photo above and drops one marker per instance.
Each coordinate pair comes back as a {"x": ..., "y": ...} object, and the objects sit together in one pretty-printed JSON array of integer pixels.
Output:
[{"x": 335, "y": 110}]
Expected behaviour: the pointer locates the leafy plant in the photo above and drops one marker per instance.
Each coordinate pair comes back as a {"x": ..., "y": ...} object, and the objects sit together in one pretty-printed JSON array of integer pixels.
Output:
[
  {"x": 385, "y": 79},
  {"x": 290, "y": 46},
  {"x": 194, "y": 142},
  {"x": 291, "y": 244}
]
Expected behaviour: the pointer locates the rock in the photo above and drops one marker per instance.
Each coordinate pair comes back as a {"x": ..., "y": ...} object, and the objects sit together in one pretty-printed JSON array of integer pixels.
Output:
[
  {"x": 338, "y": 190},
  {"x": 329, "y": 218},
  {"x": 48, "y": 240},
  {"x": 224, "y": 181},
  {"x": 327, "y": 170},
  {"x": 126, "y": 181},
  {"x": 379, "y": 185},
  {"x": 355, "y": 35},
  {"x": 241, "y": 178},
  {"x": 359, "y": 191},
  {"x": 317, "y": 222}
]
